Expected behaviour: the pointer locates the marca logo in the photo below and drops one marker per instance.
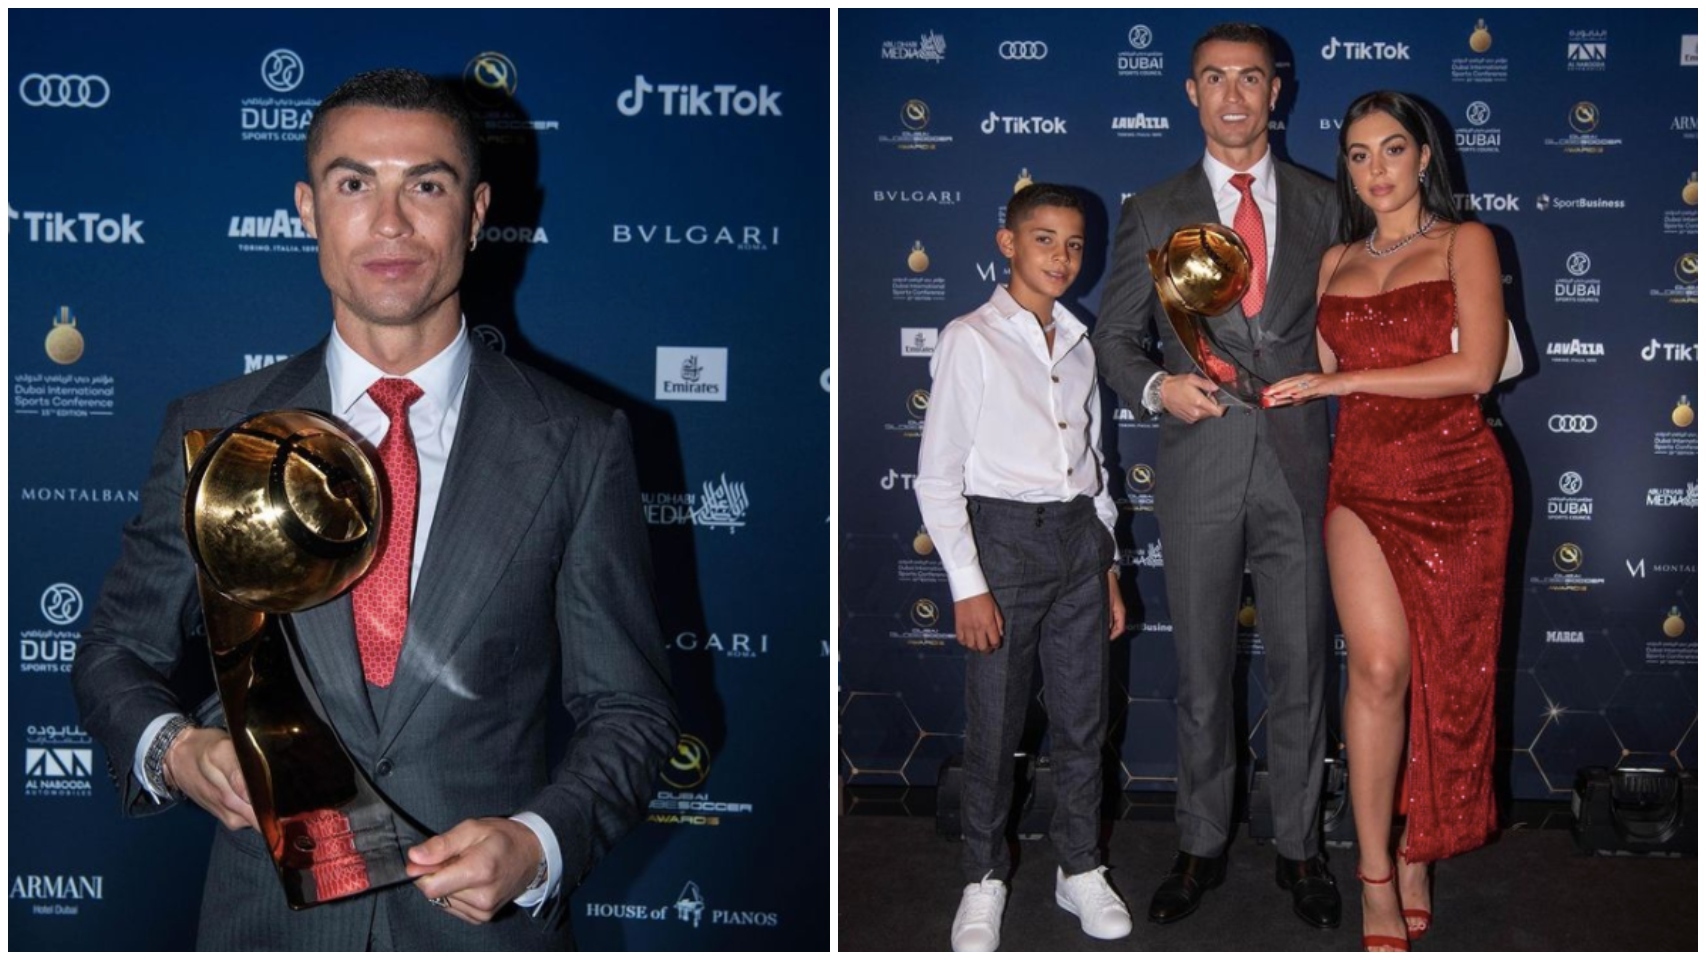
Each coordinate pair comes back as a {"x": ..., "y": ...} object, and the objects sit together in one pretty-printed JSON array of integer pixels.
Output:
[
  {"x": 690, "y": 100},
  {"x": 918, "y": 341},
  {"x": 260, "y": 361},
  {"x": 1364, "y": 50},
  {"x": 746, "y": 238},
  {"x": 1024, "y": 126},
  {"x": 1565, "y": 636},
  {"x": 48, "y": 226},
  {"x": 692, "y": 373}
]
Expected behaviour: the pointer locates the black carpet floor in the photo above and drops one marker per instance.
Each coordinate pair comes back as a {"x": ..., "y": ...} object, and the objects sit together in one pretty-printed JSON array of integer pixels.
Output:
[{"x": 899, "y": 886}]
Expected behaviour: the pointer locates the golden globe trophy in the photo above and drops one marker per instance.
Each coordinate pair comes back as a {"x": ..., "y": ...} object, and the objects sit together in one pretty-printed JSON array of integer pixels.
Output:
[
  {"x": 1200, "y": 272},
  {"x": 284, "y": 512}
]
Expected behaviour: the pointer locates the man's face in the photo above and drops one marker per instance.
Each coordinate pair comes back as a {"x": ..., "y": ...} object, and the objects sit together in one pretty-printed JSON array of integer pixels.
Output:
[
  {"x": 389, "y": 203},
  {"x": 1046, "y": 250},
  {"x": 1233, "y": 88}
]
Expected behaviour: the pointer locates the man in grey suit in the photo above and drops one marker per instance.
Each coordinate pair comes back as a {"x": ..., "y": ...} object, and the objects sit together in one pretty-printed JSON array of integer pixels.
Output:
[
  {"x": 529, "y": 554},
  {"x": 1239, "y": 485}
]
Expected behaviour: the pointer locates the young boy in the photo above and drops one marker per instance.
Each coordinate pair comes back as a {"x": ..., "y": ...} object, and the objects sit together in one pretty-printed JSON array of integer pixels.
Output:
[{"x": 1013, "y": 492}]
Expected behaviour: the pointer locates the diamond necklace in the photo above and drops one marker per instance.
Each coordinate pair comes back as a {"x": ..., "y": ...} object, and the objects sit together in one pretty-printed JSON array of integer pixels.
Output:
[{"x": 1426, "y": 226}]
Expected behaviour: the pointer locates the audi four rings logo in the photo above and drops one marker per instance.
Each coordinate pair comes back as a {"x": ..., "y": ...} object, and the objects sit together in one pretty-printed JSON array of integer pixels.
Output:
[
  {"x": 1573, "y": 423},
  {"x": 62, "y": 90},
  {"x": 1023, "y": 50}
]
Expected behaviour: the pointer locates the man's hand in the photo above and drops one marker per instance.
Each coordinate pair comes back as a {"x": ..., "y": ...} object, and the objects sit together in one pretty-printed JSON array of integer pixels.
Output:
[
  {"x": 977, "y": 623},
  {"x": 1116, "y": 606},
  {"x": 479, "y": 866},
  {"x": 203, "y": 764},
  {"x": 1190, "y": 397}
]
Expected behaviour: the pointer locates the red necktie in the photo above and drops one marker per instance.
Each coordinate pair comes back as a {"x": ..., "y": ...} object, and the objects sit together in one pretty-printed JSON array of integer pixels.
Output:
[
  {"x": 381, "y": 599},
  {"x": 1248, "y": 222}
]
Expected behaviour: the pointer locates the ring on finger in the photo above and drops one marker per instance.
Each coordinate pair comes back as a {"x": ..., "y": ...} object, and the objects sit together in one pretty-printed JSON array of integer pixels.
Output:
[{"x": 440, "y": 902}]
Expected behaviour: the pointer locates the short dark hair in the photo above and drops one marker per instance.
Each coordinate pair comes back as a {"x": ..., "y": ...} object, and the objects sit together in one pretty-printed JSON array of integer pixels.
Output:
[
  {"x": 1236, "y": 33},
  {"x": 399, "y": 89},
  {"x": 1040, "y": 195},
  {"x": 1355, "y": 219}
]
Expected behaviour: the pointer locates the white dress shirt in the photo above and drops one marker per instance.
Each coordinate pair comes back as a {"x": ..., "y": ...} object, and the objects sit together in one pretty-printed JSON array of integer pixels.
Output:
[
  {"x": 1226, "y": 200},
  {"x": 1010, "y": 421},
  {"x": 432, "y": 420}
]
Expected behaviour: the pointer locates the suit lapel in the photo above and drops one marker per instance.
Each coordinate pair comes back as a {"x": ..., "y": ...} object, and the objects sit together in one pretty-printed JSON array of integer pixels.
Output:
[
  {"x": 325, "y": 633},
  {"x": 1291, "y": 238},
  {"x": 506, "y": 452}
]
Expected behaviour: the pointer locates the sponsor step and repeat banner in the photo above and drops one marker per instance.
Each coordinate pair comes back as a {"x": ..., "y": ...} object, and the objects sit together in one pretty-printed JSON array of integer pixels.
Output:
[
  {"x": 1572, "y": 135},
  {"x": 657, "y": 238}
]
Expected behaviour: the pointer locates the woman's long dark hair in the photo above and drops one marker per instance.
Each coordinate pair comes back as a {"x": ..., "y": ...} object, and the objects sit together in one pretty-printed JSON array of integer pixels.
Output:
[{"x": 1355, "y": 219}]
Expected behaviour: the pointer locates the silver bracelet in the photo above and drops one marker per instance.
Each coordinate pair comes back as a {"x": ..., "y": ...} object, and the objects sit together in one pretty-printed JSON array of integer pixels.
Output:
[{"x": 154, "y": 764}]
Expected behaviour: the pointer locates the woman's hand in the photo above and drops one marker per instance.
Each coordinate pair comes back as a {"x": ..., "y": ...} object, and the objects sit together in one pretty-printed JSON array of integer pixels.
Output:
[{"x": 1306, "y": 387}]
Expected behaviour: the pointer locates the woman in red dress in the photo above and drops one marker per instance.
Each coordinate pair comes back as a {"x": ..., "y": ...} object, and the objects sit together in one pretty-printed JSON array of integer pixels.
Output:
[{"x": 1419, "y": 505}]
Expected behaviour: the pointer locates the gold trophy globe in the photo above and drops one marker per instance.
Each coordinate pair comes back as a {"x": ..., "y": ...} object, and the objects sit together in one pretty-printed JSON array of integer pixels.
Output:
[
  {"x": 1202, "y": 272},
  {"x": 284, "y": 512}
]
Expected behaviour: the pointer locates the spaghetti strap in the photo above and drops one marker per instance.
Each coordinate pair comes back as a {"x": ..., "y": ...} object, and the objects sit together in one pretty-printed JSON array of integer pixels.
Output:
[{"x": 1337, "y": 264}]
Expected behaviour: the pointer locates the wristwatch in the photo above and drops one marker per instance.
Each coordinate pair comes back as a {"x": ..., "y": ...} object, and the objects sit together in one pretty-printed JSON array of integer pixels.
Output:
[
  {"x": 1152, "y": 393},
  {"x": 540, "y": 875},
  {"x": 154, "y": 763}
]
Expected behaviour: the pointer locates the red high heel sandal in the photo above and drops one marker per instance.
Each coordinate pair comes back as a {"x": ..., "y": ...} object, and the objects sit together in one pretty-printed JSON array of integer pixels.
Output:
[{"x": 1372, "y": 940}]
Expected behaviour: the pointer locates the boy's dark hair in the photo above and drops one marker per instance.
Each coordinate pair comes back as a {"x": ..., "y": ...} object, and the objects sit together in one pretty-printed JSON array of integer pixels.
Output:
[
  {"x": 1039, "y": 195},
  {"x": 399, "y": 89},
  {"x": 1236, "y": 33},
  {"x": 1356, "y": 220}
]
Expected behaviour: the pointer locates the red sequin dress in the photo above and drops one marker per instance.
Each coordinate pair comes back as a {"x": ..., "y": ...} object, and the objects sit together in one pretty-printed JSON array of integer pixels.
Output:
[{"x": 1429, "y": 480}]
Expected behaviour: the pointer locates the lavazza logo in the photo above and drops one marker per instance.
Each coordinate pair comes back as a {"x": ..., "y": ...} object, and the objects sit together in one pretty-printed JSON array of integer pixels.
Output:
[
  {"x": 1023, "y": 126},
  {"x": 720, "y": 505},
  {"x": 1140, "y": 125},
  {"x": 1574, "y": 351},
  {"x": 692, "y": 100},
  {"x": 1336, "y": 49},
  {"x": 58, "y": 762},
  {"x": 693, "y": 373},
  {"x": 280, "y": 118},
  {"x": 52, "y": 226},
  {"x": 1570, "y": 506},
  {"x": 918, "y": 341},
  {"x": 278, "y": 232},
  {"x": 689, "y": 907}
]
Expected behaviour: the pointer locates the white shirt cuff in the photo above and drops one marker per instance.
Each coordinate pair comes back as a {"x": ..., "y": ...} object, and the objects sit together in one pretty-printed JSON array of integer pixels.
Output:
[
  {"x": 137, "y": 766},
  {"x": 535, "y": 898},
  {"x": 967, "y": 582}
]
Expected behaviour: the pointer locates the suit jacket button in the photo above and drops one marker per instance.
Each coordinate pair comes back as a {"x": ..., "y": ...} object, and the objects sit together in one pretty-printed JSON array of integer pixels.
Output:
[{"x": 385, "y": 767}]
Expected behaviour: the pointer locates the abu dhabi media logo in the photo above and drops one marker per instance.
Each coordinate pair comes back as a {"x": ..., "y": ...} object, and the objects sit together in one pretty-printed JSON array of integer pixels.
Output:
[
  {"x": 1140, "y": 58},
  {"x": 1148, "y": 556},
  {"x": 1478, "y": 136},
  {"x": 58, "y": 762},
  {"x": 693, "y": 374},
  {"x": 693, "y": 100},
  {"x": 1586, "y": 50},
  {"x": 1479, "y": 67},
  {"x": 278, "y": 232},
  {"x": 280, "y": 118},
  {"x": 689, "y": 907},
  {"x": 915, "y": 129},
  {"x": 684, "y": 803},
  {"x": 930, "y": 47},
  {"x": 721, "y": 504},
  {"x": 918, "y": 341},
  {"x": 1688, "y": 496},
  {"x": 57, "y": 895}
]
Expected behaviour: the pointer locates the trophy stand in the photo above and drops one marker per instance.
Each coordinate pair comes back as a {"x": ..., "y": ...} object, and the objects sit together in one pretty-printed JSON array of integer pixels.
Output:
[{"x": 282, "y": 513}]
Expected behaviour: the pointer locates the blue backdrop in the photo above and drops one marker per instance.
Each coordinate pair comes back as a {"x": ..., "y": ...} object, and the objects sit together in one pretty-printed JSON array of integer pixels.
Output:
[
  {"x": 1573, "y": 139},
  {"x": 657, "y": 238}
]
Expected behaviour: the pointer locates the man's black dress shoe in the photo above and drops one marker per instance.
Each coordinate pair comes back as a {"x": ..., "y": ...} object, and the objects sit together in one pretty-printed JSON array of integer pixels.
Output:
[
  {"x": 1314, "y": 893},
  {"x": 1179, "y": 894}
]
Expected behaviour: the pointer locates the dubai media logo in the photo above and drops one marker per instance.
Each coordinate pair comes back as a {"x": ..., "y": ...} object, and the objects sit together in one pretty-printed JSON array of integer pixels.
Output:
[
  {"x": 693, "y": 374},
  {"x": 58, "y": 762}
]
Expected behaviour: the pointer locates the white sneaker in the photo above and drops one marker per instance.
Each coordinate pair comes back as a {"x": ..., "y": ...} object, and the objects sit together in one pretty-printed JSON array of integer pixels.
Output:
[
  {"x": 977, "y": 925},
  {"x": 1087, "y": 896}
]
